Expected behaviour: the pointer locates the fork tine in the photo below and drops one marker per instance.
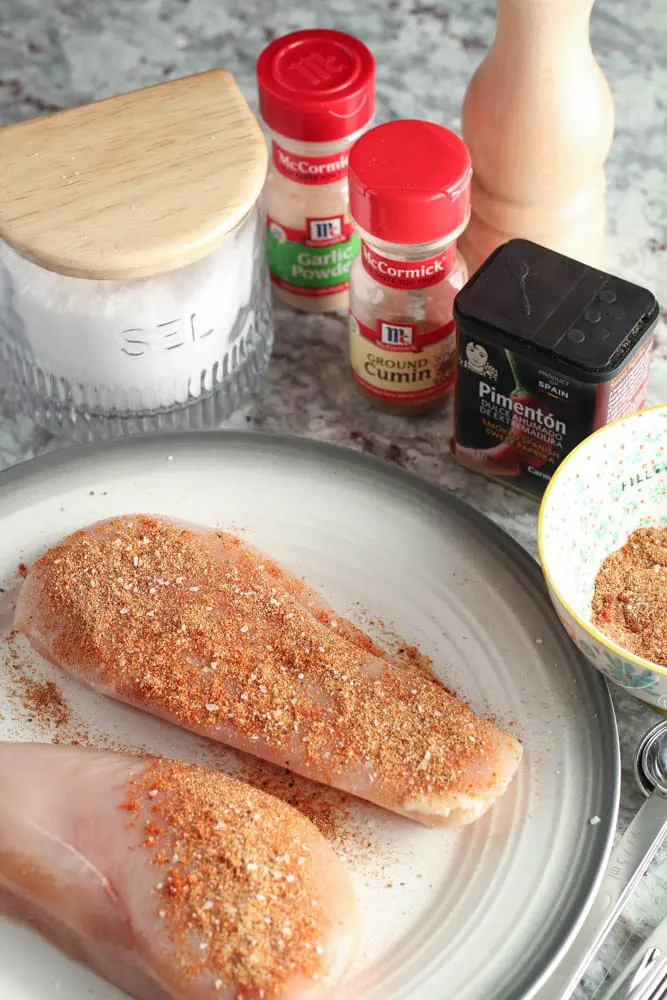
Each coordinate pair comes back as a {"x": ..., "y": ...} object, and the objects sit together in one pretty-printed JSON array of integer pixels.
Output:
[
  {"x": 652, "y": 981},
  {"x": 659, "y": 989},
  {"x": 645, "y": 967},
  {"x": 653, "y": 986}
]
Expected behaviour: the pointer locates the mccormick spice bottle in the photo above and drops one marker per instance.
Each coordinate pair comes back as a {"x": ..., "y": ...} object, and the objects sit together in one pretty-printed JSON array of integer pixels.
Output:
[
  {"x": 410, "y": 199},
  {"x": 316, "y": 96},
  {"x": 549, "y": 350}
]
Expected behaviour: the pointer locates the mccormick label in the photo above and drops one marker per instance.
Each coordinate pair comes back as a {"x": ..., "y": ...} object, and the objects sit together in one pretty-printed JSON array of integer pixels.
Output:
[
  {"x": 310, "y": 169},
  {"x": 516, "y": 420},
  {"x": 402, "y": 360},
  {"x": 408, "y": 274},
  {"x": 313, "y": 261}
]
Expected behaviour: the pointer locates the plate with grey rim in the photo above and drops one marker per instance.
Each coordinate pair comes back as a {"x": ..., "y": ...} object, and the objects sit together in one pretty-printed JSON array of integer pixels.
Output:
[{"x": 463, "y": 914}]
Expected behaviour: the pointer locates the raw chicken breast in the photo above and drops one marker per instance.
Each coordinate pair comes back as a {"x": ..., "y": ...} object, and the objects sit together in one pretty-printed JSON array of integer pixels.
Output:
[
  {"x": 195, "y": 626},
  {"x": 169, "y": 880}
]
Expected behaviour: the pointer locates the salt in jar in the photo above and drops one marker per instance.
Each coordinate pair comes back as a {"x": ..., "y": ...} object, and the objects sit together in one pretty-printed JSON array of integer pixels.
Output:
[{"x": 133, "y": 286}]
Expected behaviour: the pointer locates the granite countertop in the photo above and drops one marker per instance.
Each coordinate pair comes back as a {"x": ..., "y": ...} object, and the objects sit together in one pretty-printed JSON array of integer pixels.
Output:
[{"x": 71, "y": 51}]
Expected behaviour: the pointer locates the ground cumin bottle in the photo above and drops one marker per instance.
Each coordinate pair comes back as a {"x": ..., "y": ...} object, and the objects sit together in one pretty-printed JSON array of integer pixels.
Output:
[
  {"x": 410, "y": 200},
  {"x": 316, "y": 95}
]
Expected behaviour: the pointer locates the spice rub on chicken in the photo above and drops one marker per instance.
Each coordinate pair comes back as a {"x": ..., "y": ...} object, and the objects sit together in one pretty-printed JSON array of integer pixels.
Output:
[
  {"x": 199, "y": 628},
  {"x": 170, "y": 880}
]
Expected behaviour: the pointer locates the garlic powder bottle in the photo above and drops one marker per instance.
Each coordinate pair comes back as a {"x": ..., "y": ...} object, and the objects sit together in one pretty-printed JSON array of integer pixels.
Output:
[
  {"x": 133, "y": 287},
  {"x": 316, "y": 94}
]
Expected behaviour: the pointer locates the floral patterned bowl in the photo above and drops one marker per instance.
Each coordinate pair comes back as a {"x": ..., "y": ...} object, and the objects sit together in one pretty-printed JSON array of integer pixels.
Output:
[{"x": 614, "y": 482}]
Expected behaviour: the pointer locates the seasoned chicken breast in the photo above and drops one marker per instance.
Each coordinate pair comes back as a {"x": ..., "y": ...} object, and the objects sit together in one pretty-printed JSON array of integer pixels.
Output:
[
  {"x": 197, "y": 627},
  {"x": 171, "y": 881}
]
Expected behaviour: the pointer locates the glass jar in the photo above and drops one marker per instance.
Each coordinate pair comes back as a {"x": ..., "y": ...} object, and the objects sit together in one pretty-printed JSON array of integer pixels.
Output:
[
  {"x": 316, "y": 92},
  {"x": 139, "y": 300},
  {"x": 410, "y": 198},
  {"x": 91, "y": 359},
  {"x": 403, "y": 340}
]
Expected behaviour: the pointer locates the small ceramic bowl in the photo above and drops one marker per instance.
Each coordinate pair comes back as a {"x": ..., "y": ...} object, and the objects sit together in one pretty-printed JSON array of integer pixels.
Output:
[{"x": 614, "y": 482}]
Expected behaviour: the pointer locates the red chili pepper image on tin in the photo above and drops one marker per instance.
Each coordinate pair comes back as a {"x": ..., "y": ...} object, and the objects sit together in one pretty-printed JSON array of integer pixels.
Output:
[{"x": 527, "y": 442}]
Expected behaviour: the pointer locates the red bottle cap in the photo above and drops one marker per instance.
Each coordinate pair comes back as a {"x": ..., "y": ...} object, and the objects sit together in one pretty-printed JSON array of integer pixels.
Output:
[
  {"x": 410, "y": 182},
  {"x": 316, "y": 85}
]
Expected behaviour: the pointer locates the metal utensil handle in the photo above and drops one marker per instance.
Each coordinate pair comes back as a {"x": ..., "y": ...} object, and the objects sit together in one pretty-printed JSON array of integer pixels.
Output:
[
  {"x": 649, "y": 984},
  {"x": 628, "y": 862},
  {"x": 653, "y": 986},
  {"x": 646, "y": 966},
  {"x": 644, "y": 961},
  {"x": 658, "y": 991},
  {"x": 637, "y": 973}
]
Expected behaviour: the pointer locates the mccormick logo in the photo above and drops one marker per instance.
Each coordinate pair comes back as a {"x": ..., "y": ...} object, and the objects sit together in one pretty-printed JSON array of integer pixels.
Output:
[
  {"x": 310, "y": 169},
  {"x": 316, "y": 69},
  {"x": 405, "y": 273},
  {"x": 396, "y": 336},
  {"x": 323, "y": 232}
]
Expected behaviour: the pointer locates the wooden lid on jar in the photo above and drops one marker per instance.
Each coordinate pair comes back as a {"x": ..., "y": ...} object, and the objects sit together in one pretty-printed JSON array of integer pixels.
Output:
[{"x": 134, "y": 185}]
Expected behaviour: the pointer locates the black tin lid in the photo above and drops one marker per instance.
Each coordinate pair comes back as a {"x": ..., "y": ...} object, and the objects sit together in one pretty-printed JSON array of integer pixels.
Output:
[{"x": 572, "y": 315}]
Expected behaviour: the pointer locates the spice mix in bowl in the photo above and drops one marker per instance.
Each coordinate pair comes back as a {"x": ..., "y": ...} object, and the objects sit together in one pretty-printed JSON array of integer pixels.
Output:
[{"x": 602, "y": 539}]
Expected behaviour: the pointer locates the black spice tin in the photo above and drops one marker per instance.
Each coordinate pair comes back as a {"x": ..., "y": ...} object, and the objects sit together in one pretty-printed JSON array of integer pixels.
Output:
[{"x": 549, "y": 350}]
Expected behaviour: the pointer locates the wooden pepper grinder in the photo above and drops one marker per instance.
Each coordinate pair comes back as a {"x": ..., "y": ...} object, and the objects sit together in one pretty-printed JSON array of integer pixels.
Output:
[{"x": 538, "y": 119}]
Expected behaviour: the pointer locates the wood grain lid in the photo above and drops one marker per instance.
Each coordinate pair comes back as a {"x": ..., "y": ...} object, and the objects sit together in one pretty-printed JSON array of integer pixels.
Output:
[{"x": 134, "y": 185}]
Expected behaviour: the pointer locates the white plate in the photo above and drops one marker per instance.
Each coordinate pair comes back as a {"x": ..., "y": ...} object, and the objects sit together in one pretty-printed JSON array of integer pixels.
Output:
[{"x": 470, "y": 915}]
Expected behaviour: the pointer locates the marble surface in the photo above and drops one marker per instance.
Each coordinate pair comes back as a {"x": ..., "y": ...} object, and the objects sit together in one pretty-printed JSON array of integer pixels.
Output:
[{"x": 69, "y": 51}]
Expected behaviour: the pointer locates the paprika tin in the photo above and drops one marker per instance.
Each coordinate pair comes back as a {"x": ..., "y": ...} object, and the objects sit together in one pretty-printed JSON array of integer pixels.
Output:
[{"x": 549, "y": 350}]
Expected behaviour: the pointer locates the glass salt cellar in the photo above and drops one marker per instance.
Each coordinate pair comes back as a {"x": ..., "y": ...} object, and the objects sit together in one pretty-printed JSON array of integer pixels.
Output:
[{"x": 134, "y": 294}]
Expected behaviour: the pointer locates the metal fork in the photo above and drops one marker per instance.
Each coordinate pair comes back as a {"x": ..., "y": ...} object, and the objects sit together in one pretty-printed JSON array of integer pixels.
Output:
[
  {"x": 653, "y": 987},
  {"x": 649, "y": 981}
]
